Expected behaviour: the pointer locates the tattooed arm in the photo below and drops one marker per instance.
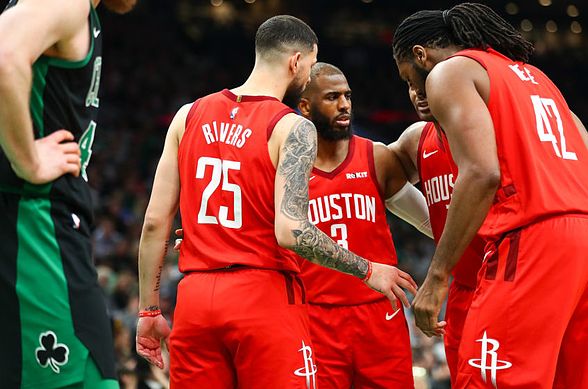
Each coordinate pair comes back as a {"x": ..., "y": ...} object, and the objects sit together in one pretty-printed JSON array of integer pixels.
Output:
[
  {"x": 295, "y": 138},
  {"x": 163, "y": 206}
]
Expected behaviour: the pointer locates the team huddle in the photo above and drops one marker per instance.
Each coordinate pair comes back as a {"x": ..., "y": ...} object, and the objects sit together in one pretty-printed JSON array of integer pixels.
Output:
[{"x": 290, "y": 277}]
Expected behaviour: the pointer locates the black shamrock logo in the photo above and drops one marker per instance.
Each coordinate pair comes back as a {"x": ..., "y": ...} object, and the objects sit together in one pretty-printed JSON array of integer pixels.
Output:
[{"x": 51, "y": 353}]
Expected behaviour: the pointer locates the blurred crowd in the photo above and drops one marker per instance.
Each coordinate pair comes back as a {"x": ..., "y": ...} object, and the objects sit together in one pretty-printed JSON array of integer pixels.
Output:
[{"x": 154, "y": 63}]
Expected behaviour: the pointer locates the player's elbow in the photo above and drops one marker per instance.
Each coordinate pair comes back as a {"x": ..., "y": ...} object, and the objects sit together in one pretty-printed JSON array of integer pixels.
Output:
[
  {"x": 10, "y": 62},
  {"x": 285, "y": 234},
  {"x": 153, "y": 222},
  {"x": 487, "y": 179}
]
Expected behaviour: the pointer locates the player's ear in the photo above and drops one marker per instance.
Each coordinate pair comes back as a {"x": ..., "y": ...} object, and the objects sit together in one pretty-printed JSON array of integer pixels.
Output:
[
  {"x": 304, "y": 107},
  {"x": 294, "y": 62},
  {"x": 420, "y": 54}
]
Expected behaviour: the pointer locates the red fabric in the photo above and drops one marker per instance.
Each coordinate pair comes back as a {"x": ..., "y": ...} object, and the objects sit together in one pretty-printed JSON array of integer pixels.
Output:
[
  {"x": 539, "y": 178},
  {"x": 532, "y": 303},
  {"x": 358, "y": 348},
  {"x": 227, "y": 184},
  {"x": 459, "y": 300},
  {"x": 242, "y": 328},
  {"x": 438, "y": 173},
  {"x": 346, "y": 204}
]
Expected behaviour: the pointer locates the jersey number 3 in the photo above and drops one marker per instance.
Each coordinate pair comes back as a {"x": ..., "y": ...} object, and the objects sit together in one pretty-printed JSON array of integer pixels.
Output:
[
  {"x": 220, "y": 170},
  {"x": 545, "y": 109}
]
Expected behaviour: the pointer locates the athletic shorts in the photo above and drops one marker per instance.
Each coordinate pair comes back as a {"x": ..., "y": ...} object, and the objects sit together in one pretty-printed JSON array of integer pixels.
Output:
[
  {"x": 527, "y": 325},
  {"x": 241, "y": 327},
  {"x": 54, "y": 316},
  {"x": 459, "y": 300},
  {"x": 358, "y": 347}
]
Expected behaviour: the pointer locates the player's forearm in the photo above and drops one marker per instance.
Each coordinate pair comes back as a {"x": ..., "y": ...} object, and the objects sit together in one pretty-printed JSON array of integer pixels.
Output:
[
  {"x": 471, "y": 200},
  {"x": 152, "y": 250},
  {"x": 16, "y": 129},
  {"x": 314, "y": 245}
]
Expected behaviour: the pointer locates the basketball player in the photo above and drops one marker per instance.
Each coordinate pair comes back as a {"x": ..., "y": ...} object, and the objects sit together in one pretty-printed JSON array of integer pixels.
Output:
[
  {"x": 56, "y": 331},
  {"x": 359, "y": 342},
  {"x": 423, "y": 150},
  {"x": 242, "y": 160},
  {"x": 523, "y": 183}
]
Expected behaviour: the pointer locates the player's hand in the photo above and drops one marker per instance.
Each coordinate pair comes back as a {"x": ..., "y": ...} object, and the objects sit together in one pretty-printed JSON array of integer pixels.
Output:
[
  {"x": 57, "y": 155},
  {"x": 427, "y": 305},
  {"x": 389, "y": 281},
  {"x": 178, "y": 243},
  {"x": 151, "y": 331}
]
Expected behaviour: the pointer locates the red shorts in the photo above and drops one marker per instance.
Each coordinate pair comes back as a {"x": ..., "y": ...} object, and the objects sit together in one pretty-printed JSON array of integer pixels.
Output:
[
  {"x": 528, "y": 323},
  {"x": 243, "y": 328},
  {"x": 357, "y": 347},
  {"x": 459, "y": 300}
]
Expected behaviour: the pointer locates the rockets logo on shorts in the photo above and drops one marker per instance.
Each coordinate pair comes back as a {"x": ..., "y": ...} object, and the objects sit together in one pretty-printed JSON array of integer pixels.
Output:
[
  {"x": 309, "y": 369},
  {"x": 489, "y": 355}
]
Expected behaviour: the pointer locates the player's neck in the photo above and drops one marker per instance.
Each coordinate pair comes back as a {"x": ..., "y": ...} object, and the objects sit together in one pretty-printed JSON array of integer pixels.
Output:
[
  {"x": 264, "y": 81},
  {"x": 331, "y": 154}
]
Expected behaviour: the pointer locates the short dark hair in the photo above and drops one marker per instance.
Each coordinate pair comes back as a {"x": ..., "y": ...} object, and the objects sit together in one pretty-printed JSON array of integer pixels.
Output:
[
  {"x": 320, "y": 69},
  {"x": 283, "y": 32},
  {"x": 467, "y": 25}
]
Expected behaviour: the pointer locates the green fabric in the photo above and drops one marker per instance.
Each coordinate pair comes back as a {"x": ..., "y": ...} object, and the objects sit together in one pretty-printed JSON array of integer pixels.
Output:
[
  {"x": 42, "y": 291},
  {"x": 37, "y": 106},
  {"x": 93, "y": 379}
]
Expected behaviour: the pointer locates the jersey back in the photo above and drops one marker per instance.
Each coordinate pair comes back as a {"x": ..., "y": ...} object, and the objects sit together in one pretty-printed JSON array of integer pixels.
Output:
[
  {"x": 64, "y": 95},
  {"x": 438, "y": 172},
  {"x": 227, "y": 184},
  {"x": 347, "y": 205},
  {"x": 541, "y": 153}
]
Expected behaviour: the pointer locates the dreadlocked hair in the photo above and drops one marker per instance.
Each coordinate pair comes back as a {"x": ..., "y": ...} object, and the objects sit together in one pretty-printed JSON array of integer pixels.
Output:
[{"x": 467, "y": 25}]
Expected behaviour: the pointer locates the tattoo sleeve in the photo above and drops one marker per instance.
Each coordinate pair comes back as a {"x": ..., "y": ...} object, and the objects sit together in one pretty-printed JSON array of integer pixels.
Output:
[{"x": 298, "y": 156}]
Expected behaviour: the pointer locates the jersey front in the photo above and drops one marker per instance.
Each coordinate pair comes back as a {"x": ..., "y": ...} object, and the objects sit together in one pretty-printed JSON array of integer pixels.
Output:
[
  {"x": 64, "y": 95},
  {"x": 438, "y": 173},
  {"x": 347, "y": 205},
  {"x": 541, "y": 153},
  {"x": 227, "y": 184}
]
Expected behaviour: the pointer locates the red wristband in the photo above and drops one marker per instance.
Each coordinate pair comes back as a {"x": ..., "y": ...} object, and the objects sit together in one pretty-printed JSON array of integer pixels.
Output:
[
  {"x": 368, "y": 274},
  {"x": 154, "y": 313}
]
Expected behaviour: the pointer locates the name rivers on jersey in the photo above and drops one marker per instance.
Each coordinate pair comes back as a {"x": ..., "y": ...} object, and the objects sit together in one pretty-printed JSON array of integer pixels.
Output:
[
  {"x": 229, "y": 133},
  {"x": 439, "y": 188},
  {"x": 342, "y": 205}
]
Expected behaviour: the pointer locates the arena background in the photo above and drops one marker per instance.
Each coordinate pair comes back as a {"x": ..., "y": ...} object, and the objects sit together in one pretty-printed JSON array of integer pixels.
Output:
[{"x": 167, "y": 53}]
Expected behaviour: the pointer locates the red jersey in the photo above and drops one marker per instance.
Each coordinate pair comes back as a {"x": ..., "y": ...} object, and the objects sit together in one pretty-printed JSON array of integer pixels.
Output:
[
  {"x": 438, "y": 173},
  {"x": 543, "y": 159},
  {"x": 227, "y": 184},
  {"x": 347, "y": 205}
]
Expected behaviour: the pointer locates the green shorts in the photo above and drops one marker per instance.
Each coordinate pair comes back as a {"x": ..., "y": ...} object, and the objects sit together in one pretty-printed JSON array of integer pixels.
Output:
[{"x": 55, "y": 329}]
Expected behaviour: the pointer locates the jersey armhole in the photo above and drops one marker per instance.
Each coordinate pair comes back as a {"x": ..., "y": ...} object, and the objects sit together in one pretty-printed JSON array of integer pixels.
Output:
[
  {"x": 369, "y": 146},
  {"x": 424, "y": 134},
  {"x": 189, "y": 116},
  {"x": 276, "y": 119}
]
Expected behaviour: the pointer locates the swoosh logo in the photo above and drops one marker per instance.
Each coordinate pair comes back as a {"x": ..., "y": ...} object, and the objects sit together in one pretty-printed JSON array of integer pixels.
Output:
[
  {"x": 425, "y": 155},
  {"x": 391, "y": 316},
  {"x": 96, "y": 32},
  {"x": 311, "y": 178}
]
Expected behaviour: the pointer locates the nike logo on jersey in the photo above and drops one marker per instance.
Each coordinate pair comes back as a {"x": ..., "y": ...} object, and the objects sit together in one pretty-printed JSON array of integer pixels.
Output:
[
  {"x": 391, "y": 316},
  {"x": 96, "y": 32},
  {"x": 427, "y": 155},
  {"x": 312, "y": 178}
]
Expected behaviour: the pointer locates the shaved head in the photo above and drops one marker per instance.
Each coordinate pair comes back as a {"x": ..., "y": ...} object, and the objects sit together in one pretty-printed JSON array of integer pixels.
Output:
[{"x": 318, "y": 70}]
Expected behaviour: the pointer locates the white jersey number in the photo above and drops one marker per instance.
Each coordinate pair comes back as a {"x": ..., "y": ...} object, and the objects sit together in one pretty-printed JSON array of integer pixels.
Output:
[
  {"x": 220, "y": 170},
  {"x": 340, "y": 230},
  {"x": 545, "y": 109}
]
